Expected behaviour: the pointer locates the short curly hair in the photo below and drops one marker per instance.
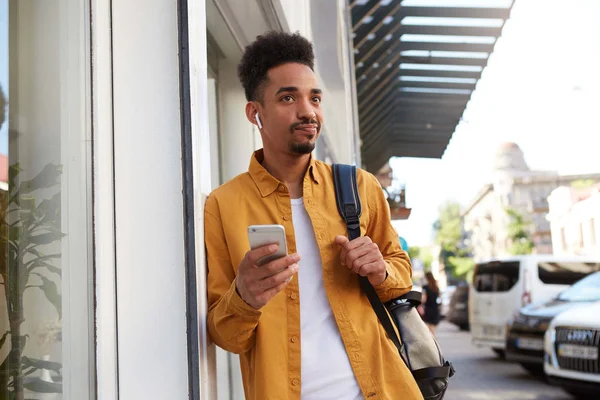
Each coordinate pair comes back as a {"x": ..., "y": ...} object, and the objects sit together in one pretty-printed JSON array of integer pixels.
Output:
[{"x": 268, "y": 51}]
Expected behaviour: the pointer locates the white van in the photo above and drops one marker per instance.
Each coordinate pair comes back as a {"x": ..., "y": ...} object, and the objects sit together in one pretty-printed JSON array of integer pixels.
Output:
[{"x": 502, "y": 286}]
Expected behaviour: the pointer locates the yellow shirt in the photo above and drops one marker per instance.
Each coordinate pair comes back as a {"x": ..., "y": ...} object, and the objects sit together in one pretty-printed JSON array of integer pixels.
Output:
[{"x": 268, "y": 340}]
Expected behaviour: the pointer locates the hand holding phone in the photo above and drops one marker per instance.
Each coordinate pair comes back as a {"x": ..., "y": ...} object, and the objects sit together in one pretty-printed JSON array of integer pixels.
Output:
[
  {"x": 266, "y": 269},
  {"x": 262, "y": 235}
]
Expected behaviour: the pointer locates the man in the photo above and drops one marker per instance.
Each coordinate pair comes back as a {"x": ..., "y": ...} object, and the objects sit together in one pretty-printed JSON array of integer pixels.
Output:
[{"x": 301, "y": 324}]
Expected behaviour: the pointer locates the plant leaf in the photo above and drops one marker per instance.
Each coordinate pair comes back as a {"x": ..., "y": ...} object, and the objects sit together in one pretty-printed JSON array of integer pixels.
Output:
[
  {"x": 49, "y": 209},
  {"x": 39, "y": 386},
  {"x": 45, "y": 238},
  {"x": 41, "y": 256},
  {"x": 4, "y": 338},
  {"x": 47, "y": 178},
  {"x": 41, "y": 364},
  {"x": 43, "y": 264},
  {"x": 51, "y": 291}
]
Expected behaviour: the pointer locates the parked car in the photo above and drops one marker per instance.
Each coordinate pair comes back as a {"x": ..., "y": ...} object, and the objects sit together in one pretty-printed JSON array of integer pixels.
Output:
[
  {"x": 525, "y": 331},
  {"x": 571, "y": 347},
  {"x": 458, "y": 309},
  {"x": 445, "y": 300},
  {"x": 501, "y": 286}
]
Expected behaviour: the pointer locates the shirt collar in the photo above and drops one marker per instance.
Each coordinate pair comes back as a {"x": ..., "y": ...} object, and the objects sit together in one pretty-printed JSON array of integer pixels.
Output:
[{"x": 266, "y": 182}]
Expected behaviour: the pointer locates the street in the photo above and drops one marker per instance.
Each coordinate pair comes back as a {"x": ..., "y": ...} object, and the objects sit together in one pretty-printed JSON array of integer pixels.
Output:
[{"x": 481, "y": 375}]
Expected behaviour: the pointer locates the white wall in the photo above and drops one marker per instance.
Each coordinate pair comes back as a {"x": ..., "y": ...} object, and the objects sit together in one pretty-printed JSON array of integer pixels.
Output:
[
  {"x": 297, "y": 16},
  {"x": 236, "y": 133},
  {"x": 575, "y": 225}
]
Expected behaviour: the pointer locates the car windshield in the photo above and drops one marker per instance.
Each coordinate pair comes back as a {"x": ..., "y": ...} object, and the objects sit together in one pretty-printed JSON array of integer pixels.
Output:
[{"x": 587, "y": 289}]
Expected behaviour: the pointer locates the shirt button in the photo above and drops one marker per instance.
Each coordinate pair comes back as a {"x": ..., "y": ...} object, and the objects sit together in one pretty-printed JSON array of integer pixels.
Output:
[
  {"x": 293, "y": 296},
  {"x": 281, "y": 188},
  {"x": 293, "y": 339},
  {"x": 295, "y": 382},
  {"x": 286, "y": 217}
]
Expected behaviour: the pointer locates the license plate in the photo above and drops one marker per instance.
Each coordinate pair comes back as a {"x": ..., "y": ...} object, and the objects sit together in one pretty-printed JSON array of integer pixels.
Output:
[
  {"x": 530, "y": 344},
  {"x": 492, "y": 330},
  {"x": 461, "y": 306},
  {"x": 577, "y": 351}
]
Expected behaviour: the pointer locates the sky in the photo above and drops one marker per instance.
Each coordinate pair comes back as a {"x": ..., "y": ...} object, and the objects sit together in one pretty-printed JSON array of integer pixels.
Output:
[{"x": 541, "y": 90}]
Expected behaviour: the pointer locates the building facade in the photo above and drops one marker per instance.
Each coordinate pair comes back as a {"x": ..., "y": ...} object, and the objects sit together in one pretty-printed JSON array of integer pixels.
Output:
[
  {"x": 575, "y": 220},
  {"x": 515, "y": 187}
]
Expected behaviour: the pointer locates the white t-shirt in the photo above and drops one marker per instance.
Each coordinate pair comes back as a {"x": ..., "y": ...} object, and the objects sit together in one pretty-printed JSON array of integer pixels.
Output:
[{"x": 326, "y": 370}]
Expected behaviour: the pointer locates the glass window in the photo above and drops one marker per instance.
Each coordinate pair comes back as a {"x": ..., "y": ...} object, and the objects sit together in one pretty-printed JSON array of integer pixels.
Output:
[
  {"x": 496, "y": 276},
  {"x": 46, "y": 320},
  {"x": 565, "y": 273},
  {"x": 483, "y": 282},
  {"x": 587, "y": 289}
]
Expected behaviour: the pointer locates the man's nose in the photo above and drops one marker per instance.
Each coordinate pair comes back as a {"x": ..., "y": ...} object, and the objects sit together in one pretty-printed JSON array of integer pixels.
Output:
[{"x": 306, "y": 111}]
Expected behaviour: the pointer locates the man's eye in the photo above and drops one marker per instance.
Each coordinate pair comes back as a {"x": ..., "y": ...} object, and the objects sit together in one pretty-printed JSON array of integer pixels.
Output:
[
  {"x": 287, "y": 99},
  {"x": 317, "y": 99}
]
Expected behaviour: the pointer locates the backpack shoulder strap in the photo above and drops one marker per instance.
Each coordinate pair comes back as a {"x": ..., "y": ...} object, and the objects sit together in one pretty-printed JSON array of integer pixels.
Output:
[
  {"x": 348, "y": 202},
  {"x": 346, "y": 195}
]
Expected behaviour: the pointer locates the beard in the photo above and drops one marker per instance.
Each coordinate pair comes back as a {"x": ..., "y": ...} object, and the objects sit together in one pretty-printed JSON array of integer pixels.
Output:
[{"x": 302, "y": 148}]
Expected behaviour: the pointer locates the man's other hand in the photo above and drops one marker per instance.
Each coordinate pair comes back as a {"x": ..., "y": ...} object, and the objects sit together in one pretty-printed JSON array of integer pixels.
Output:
[
  {"x": 363, "y": 257},
  {"x": 257, "y": 285}
]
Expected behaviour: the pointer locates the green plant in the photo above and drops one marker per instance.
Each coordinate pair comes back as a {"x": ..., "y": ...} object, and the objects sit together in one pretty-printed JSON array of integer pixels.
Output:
[
  {"x": 423, "y": 254},
  {"x": 28, "y": 226},
  {"x": 454, "y": 254},
  {"x": 518, "y": 233}
]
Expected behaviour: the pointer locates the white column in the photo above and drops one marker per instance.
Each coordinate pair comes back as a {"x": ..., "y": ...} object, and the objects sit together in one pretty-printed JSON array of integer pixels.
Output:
[
  {"x": 104, "y": 227},
  {"x": 151, "y": 306}
]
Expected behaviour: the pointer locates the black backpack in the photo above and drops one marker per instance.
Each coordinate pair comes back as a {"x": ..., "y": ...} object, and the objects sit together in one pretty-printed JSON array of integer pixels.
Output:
[{"x": 416, "y": 345}]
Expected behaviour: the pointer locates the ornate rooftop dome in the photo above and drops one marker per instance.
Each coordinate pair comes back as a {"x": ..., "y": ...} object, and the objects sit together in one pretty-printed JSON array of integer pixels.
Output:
[{"x": 509, "y": 156}]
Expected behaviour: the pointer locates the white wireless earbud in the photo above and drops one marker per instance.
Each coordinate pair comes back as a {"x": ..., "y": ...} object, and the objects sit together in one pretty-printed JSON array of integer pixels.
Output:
[{"x": 258, "y": 121}]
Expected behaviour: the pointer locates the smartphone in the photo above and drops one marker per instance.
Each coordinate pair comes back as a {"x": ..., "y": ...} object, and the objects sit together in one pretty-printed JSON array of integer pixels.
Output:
[{"x": 262, "y": 235}]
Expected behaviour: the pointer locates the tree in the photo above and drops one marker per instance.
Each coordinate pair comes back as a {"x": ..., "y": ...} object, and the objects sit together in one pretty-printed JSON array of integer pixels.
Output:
[
  {"x": 414, "y": 252},
  {"x": 519, "y": 233},
  {"x": 423, "y": 254},
  {"x": 449, "y": 227},
  {"x": 449, "y": 234}
]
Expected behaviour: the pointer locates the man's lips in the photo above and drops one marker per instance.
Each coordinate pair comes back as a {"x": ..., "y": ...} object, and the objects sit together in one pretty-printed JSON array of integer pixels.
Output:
[{"x": 309, "y": 129}]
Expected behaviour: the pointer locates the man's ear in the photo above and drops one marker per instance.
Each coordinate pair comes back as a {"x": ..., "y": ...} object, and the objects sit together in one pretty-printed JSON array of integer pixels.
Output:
[{"x": 251, "y": 112}]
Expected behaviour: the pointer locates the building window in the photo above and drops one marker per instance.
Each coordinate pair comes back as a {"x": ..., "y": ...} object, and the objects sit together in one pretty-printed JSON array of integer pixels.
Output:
[{"x": 46, "y": 347}]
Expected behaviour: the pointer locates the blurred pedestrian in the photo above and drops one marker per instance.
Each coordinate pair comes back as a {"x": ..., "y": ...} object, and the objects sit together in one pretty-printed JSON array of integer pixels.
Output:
[{"x": 431, "y": 307}]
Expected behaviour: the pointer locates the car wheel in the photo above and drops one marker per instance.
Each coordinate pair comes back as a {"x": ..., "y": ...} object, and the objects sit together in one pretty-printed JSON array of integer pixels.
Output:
[{"x": 499, "y": 352}]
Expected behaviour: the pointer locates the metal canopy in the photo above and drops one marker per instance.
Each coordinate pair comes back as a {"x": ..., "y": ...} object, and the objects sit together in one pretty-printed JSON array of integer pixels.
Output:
[{"x": 416, "y": 68}]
